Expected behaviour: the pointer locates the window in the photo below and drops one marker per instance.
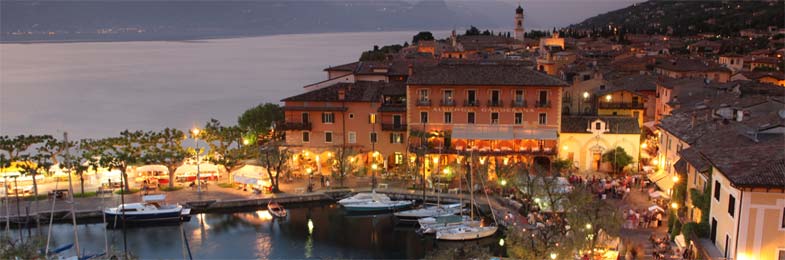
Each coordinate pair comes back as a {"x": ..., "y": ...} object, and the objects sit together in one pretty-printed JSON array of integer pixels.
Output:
[
  {"x": 398, "y": 158},
  {"x": 352, "y": 137},
  {"x": 306, "y": 137},
  {"x": 731, "y": 205},
  {"x": 396, "y": 138},
  {"x": 447, "y": 97},
  {"x": 351, "y": 115},
  {"x": 471, "y": 95},
  {"x": 586, "y": 77},
  {"x": 782, "y": 225},
  {"x": 494, "y": 118},
  {"x": 519, "y": 95},
  {"x": 328, "y": 137},
  {"x": 470, "y": 118},
  {"x": 372, "y": 118},
  {"x": 447, "y": 117},
  {"x": 495, "y": 96},
  {"x": 424, "y": 94},
  {"x": 543, "y": 97},
  {"x": 306, "y": 118},
  {"x": 598, "y": 126},
  {"x": 717, "y": 190},
  {"x": 678, "y": 147},
  {"x": 373, "y": 137},
  {"x": 543, "y": 118},
  {"x": 423, "y": 117},
  {"x": 328, "y": 118},
  {"x": 602, "y": 87},
  {"x": 781, "y": 254},
  {"x": 518, "y": 118}
]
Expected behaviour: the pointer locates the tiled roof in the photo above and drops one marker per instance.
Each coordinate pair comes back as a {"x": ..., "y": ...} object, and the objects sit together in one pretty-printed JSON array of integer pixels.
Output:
[
  {"x": 690, "y": 65},
  {"x": 343, "y": 67},
  {"x": 482, "y": 74},
  {"x": 636, "y": 83},
  {"x": 616, "y": 124},
  {"x": 682, "y": 127},
  {"x": 360, "y": 91},
  {"x": 693, "y": 157},
  {"x": 747, "y": 163}
]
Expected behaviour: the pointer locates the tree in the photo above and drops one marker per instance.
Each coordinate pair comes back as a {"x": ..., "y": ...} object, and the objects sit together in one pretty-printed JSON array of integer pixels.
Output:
[
  {"x": 166, "y": 148},
  {"x": 120, "y": 152},
  {"x": 19, "y": 144},
  {"x": 618, "y": 158},
  {"x": 258, "y": 120},
  {"x": 274, "y": 156},
  {"x": 89, "y": 156},
  {"x": 472, "y": 31},
  {"x": 422, "y": 36},
  {"x": 561, "y": 164},
  {"x": 226, "y": 145},
  {"x": 590, "y": 216},
  {"x": 343, "y": 163}
]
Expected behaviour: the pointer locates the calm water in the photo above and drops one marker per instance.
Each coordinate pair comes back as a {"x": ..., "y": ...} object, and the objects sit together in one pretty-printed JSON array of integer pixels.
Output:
[
  {"x": 255, "y": 234},
  {"x": 100, "y": 89}
]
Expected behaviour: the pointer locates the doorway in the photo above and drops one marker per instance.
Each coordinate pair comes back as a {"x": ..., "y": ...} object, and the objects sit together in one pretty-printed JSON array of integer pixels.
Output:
[{"x": 597, "y": 161}]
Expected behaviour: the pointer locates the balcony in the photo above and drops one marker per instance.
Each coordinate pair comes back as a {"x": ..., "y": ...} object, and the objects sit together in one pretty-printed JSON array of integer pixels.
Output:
[
  {"x": 471, "y": 103},
  {"x": 297, "y": 126},
  {"x": 542, "y": 104},
  {"x": 495, "y": 103},
  {"x": 393, "y": 127},
  {"x": 518, "y": 103},
  {"x": 621, "y": 105},
  {"x": 447, "y": 103},
  {"x": 423, "y": 102}
]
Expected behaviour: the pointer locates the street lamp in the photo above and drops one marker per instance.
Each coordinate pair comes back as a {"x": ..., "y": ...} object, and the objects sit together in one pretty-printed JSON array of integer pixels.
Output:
[
  {"x": 675, "y": 179},
  {"x": 588, "y": 225},
  {"x": 554, "y": 255},
  {"x": 195, "y": 131},
  {"x": 585, "y": 98},
  {"x": 503, "y": 182},
  {"x": 675, "y": 206}
]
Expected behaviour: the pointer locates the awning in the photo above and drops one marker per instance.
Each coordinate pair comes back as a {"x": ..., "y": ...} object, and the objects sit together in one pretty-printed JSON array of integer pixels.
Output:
[
  {"x": 501, "y": 133},
  {"x": 662, "y": 179},
  {"x": 251, "y": 174}
]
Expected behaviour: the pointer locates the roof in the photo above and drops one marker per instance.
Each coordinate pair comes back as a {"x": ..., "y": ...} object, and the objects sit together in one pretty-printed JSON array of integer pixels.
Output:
[
  {"x": 690, "y": 65},
  {"x": 694, "y": 158},
  {"x": 616, "y": 124},
  {"x": 343, "y": 67},
  {"x": 749, "y": 164},
  {"x": 360, "y": 91},
  {"x": 635, "y": 83},
  {"x": 482, "y": 74}
]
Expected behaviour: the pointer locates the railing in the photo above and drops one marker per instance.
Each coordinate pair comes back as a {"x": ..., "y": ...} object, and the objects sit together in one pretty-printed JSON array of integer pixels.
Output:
[
  {"x": 471, "y": 103},
  {"x": 545, "y": 104},
  {"x": 393, "y": 127},
  {"x": 297, "y": 126},
  {"x": 621, "y": 105},
  {"x": 423, "y": 102},
  {"x": 447, "y": 103},
  {"x": 518, "y": 103},
  {"x": 495, "y": 103}
]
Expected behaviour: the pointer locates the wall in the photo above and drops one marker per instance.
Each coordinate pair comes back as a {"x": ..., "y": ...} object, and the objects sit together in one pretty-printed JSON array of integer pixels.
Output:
[{"x": 581, "y": 144}]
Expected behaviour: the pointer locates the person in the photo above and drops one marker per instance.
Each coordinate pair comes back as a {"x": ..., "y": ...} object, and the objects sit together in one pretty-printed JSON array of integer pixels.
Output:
[
  {"x": 327, "y": 183},
  {"x": 322, "y": 180}
]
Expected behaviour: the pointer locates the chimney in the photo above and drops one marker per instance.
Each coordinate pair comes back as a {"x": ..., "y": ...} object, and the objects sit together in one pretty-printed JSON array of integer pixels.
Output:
[
  {"x": 739, "y": 115},
  {"x": 411, "y": 69},
  {"x": 341, "y": 94},
  {"x": 692, "y": 121}
]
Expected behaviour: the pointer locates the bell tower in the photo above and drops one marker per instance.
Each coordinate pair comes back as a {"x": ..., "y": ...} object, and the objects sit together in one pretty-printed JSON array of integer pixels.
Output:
[{"x": 519, "y": 23}]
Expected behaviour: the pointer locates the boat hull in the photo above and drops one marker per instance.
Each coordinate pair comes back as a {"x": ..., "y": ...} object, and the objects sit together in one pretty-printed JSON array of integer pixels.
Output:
[
  {"x": 146, "y": 217},
  {"x": 380, "y": 208},
  {"x": 470, "y": 234}
]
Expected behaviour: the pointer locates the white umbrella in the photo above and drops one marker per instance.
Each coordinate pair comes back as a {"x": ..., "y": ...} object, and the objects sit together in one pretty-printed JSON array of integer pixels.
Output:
[{"x": 656, "y": 208}]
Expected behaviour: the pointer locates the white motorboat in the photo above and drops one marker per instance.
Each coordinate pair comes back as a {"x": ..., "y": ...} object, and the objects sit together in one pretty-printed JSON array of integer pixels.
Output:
[
  {"x": 363, "y": 197},
  {"x": 430, "y": 211},
  {"x": 151, "y": 209},
  {"x": 378, "y": 205},
  {"x": 466, "y": 232},
  {"x": 432, "y": 225}
]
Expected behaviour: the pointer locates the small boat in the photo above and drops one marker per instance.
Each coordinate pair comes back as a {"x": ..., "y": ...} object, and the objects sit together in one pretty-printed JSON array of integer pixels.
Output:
[
  {"x": 152, "y": 209},
  {"x": 466, "y": 232},
  {"x": 363, "y": 197},
  {"x": 276, "y": 209},
  {"x": 429, "y": 211},
  {"x": 434, "y": 224}
]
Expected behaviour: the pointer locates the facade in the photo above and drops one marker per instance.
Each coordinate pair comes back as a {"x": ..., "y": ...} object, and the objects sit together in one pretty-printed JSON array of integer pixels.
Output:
[
  {"x": 692, "y": 68},
  {"x": 584, "y": 139},
  {"x": 622, "y": 102},
  {"x": 499, "y": 111}
]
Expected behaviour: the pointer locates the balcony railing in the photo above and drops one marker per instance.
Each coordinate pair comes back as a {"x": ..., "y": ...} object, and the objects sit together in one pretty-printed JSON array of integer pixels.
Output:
[
  {"x": 447, "y": 103},
  {"x": 495, "y": 103},
  {"x": 471, "y": 103},
  {"x": 393, "y": 127},
  {"x": 423, "y": 102},
  {"x": 518, "y": 103},
  {"x": 622, "y": 105},
  {"x": 543, "y": 104},
  {"x": 297, "y": 126}
]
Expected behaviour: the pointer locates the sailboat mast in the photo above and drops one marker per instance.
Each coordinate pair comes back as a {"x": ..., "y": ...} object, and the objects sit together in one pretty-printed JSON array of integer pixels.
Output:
[
  {"x": 71, "y": 192},
  {"x": 471, "y": 186}
]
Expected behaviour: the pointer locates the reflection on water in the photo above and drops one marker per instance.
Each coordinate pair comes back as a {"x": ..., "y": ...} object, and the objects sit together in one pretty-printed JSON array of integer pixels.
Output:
[{"x": 314, "y": 231}]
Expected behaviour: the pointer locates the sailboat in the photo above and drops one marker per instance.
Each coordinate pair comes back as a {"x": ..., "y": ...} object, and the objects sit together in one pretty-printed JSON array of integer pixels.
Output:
[
  {"x": 468, "y": 229},
  {"x": 374, "y": 203},
  {"x": 429, "y": 212}
]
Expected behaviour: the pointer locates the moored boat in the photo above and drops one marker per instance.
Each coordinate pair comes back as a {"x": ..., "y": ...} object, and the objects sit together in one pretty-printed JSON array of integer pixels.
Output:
[
  {"x": 378, "y": 206},
  {"x": 466, "y": 232},
  {"x": 363, "y": 197},
  {"x": 152, "y": 209},
  {"x": 434, "y": 224},
  {"x": 276, "y": 209},
  {"x": 429, "y": 211}
]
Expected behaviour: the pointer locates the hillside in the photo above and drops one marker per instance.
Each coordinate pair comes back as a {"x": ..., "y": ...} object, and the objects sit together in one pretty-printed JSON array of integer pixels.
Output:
[
  {"x": 190, "y": 19},
  {"x": 691, "y": 17}
]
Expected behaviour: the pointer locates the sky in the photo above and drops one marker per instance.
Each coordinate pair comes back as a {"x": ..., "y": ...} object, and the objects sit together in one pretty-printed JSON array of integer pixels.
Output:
[{"x": 546, "y": 13}]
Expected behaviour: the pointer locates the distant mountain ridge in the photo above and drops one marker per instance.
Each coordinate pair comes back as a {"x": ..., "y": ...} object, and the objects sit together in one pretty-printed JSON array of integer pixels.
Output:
[
  {"x": 187, "y": 19},
  {"x": 691, "y": 17}
]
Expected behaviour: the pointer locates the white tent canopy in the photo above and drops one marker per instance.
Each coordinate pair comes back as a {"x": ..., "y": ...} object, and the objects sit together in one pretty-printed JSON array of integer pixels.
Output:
[
  {"x": 205, "y": 170},
  {"x": 658, "y": 194},
  {"x": 152, "y": 170},
  {"x": 251, "y": 174}
]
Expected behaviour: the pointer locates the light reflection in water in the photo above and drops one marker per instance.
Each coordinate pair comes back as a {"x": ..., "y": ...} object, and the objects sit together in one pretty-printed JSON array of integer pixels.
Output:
[
  {"x": 264, "y": 215},
  {"x": 309, "y": 240}
]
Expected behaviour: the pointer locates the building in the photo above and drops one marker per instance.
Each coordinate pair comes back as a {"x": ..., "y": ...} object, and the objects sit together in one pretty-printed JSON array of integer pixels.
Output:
[
  {"x": 344, "y": 116},
  {"x": 500, "y": 111},
  {"x": 519, "y": 29},
  {"x": 771, "y": 77},
  {"x": 584, "y": 139},
  {"x": 734, "y": 62},
  {"x": 678, "y": 68},
  {"x": 633, "y": 96},
  {"x": 762, "y": 63}
]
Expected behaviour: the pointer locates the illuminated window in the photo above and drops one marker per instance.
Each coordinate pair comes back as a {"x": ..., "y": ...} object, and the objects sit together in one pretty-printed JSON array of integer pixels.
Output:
[{"x": 398, "y": 158}]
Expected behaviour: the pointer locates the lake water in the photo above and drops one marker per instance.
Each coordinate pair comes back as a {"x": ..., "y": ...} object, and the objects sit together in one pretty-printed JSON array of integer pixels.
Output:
[
  {"x": 255, "y": 234},
  {"x": 99, "y": 89}
]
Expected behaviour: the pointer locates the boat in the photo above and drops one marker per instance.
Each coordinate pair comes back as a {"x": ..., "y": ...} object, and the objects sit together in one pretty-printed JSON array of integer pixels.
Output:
[
  {"x": 363, "y": 197},
  {"x": 429, "y": 211},
  {"x": 276, "y": 209},
  {"x": 152, "y": 209},
  {"x": 378, "y": 205},
  {"x": 432, "y": 225},
  {"x": 466, "y": 232}
]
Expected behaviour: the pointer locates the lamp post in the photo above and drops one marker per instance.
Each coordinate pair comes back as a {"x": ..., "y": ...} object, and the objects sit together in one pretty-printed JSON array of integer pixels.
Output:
[
  {"x": 195, "y": 133},
  {"x": 503, "y": 182}
]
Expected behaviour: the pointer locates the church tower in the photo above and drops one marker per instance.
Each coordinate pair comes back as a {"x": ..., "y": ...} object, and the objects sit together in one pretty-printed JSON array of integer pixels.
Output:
[{"x": 519, "y": 23}]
